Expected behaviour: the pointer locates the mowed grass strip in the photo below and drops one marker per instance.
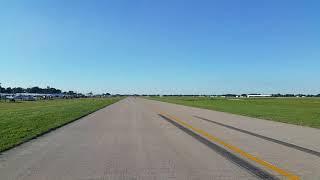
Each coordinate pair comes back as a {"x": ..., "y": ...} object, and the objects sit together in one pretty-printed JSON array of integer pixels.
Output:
[
  {"x": 23, "y": 121},
  {"x": 299, "y": 111}
]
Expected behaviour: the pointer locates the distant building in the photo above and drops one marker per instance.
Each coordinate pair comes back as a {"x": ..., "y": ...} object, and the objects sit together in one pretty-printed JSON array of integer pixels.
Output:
[{"x": 259, "y": 95}]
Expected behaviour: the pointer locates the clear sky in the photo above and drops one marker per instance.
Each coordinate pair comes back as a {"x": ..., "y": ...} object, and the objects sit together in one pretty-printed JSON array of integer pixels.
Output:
[{"x": 162, "y": 46}]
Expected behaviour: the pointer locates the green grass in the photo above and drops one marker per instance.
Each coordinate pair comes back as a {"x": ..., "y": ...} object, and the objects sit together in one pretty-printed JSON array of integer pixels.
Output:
[
  {"x": 22, "y": 121},
  {"x": 299, "y": 111}
]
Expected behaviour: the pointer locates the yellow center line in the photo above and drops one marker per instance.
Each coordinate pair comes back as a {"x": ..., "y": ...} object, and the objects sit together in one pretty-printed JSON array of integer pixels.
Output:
[{"x": 235, "y": 149}]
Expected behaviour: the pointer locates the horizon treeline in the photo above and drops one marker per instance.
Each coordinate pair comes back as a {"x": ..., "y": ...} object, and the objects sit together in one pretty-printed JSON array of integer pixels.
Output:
[{"x": 36, "y": 90}]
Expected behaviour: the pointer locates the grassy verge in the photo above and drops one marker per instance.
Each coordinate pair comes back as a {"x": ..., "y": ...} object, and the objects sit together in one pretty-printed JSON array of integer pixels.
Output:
[
  {"x": 22, "y": 121},
  {"x": 299, "y": 111}
]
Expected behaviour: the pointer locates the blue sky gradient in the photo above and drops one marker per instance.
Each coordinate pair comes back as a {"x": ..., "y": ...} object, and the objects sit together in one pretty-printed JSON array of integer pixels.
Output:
[{"x": 162, "y": 46}]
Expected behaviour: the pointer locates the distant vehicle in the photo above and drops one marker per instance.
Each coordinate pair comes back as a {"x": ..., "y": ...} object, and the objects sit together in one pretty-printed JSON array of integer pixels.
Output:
[
  {"x": 9, "y": 98},
  {"x": 21, "y": 97},
  {"x": 27, "y": 98}
]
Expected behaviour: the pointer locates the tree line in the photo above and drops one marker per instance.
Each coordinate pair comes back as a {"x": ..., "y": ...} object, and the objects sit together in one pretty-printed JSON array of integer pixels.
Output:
[{"x": 36, "y": 90}]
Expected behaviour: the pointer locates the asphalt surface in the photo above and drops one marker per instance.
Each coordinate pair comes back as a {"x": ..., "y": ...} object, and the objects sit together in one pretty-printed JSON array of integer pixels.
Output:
[{"x": 143, "y": 139}]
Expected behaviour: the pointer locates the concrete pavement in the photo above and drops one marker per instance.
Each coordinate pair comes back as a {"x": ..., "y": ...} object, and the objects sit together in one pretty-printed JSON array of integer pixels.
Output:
[
  {"x": 130, "y": 140},
  {"x": 305, "y": 165}
]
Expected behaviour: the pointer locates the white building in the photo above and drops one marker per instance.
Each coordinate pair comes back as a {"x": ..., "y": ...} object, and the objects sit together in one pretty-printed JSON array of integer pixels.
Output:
[{"x": 259, "y": 95}]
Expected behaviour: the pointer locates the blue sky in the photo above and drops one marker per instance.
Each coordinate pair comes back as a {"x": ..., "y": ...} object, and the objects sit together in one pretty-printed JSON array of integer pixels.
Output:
[{"x": 162, "y": 46}]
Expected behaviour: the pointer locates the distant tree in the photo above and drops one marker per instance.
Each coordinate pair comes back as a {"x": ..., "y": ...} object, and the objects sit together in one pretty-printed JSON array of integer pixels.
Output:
[
  {"x": 18, "y": 90},
  {"x": 230, "y": 95},
  {"x": 50, "y": 90},
  {"x": 34, "y": 90},
  {"x": 276, "y": 95},
  {"x": 8, "y": 90},
  {"x": 2, "y": 90},
  {"x": 289, "y": 95},
  {"x": 71, "y": 93},
  {"x": 37, "y": 90}
]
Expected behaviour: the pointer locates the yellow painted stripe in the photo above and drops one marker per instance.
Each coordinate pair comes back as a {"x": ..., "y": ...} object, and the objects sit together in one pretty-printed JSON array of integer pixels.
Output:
[{"x": 235, "y": 149}]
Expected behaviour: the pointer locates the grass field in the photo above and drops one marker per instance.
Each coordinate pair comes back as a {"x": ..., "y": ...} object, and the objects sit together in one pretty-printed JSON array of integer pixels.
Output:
[
  {"x": 300, "y": 111},
  {"x": 22, "y": 121}
]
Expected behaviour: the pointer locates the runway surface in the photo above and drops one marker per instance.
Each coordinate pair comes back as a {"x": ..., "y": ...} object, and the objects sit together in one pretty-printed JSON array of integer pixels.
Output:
[{"x": 143, "y": 139}]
